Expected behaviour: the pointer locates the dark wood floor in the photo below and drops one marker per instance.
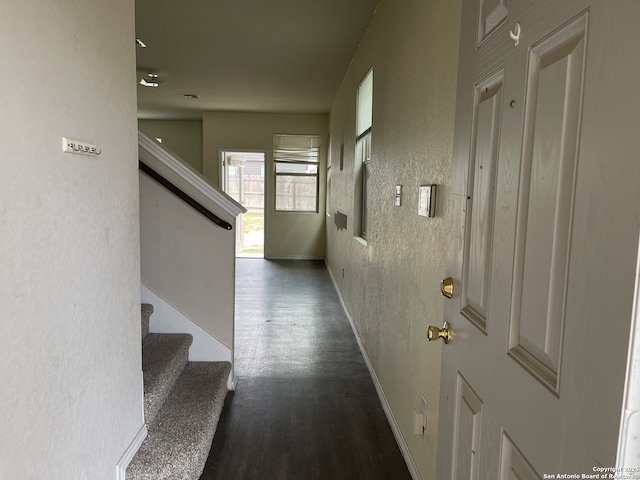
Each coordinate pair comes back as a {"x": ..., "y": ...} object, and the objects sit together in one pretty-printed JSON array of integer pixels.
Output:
[{"x": 305, "y": 406}]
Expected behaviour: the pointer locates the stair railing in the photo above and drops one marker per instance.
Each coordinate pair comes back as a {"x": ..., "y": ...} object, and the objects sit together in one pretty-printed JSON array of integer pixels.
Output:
[{"x": 183, "y": 196}]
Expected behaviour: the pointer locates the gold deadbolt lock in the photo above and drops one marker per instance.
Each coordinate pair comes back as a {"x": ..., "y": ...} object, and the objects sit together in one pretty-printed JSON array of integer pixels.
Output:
[
  {"x": 446, "y": 287},
  {"x": 434, "y": 333}
]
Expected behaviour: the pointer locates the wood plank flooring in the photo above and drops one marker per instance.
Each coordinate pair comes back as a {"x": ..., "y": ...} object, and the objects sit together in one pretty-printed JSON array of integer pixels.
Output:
[{"x": 305, "y": 406}]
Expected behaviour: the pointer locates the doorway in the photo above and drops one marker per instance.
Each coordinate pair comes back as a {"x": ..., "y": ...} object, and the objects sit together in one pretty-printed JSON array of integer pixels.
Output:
[{"x": 242, "y": 174}]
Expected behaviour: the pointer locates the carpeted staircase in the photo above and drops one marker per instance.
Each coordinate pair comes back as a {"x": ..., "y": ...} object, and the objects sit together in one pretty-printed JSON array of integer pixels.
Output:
[{"x": 182, "y": 404}]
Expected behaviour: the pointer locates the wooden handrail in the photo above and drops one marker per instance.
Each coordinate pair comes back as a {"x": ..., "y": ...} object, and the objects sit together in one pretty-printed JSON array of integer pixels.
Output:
[{"x": 184, "y": 196}]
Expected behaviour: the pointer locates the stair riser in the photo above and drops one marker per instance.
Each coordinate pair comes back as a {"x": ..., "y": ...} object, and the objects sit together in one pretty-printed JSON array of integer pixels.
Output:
[{"x": 146, "y": 312}]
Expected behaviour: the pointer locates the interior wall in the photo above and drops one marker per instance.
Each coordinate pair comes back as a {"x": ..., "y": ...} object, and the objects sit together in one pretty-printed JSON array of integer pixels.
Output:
[
  {"x": 71, "y": 372},
  {"x": 288, "y": 234},
  {"x": 182, "y": 137},
  {"x": 188, "y": 260},
  {"x": 390, "y": 284}
]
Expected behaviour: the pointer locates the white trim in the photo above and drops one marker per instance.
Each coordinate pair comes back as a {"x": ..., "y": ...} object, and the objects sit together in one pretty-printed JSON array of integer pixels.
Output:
[
  {"x": 232, "y": 381},
  {"x": 121, "y": 468},
  {"x": 168, "y": 319},
  {"x": 629, "y": 438},
  {"x": 291, "y": 257},
  {"x": 153, "y": 148},
  {"x": 395, "y": 428}
]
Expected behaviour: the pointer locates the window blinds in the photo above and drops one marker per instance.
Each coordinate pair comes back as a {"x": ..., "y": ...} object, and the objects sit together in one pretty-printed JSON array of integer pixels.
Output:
[{"x": 296, "y": 148}]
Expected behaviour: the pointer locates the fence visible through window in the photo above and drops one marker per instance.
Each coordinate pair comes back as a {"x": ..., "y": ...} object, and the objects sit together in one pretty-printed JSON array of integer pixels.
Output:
[{"x": 296, "y": 159}]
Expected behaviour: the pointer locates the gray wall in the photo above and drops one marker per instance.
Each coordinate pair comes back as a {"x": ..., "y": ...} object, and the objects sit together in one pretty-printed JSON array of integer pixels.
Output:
[
  {"x": 70, "y": 374},
  {"x": 182, "y": 137},
  {"x": 391, "y": 282},
  {"x": 288, "y": 234}
]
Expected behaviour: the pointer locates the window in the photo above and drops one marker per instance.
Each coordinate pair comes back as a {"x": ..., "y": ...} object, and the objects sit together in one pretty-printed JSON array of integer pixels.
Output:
[
  {"x": 327, "y": 197},
  {"x": 296, "y": 159},
  {"x": 363, "y": 150}
]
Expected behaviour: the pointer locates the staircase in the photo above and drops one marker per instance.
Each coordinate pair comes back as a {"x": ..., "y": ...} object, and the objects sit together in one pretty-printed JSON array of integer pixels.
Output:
[{"x": 182, "y": 404}]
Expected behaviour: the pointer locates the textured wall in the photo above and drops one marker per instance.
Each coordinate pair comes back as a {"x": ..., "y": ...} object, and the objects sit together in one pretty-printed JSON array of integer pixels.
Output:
[
  {"x": 391, "y": 284},
  {"x": 182, "y": 137},
  {"x": 288, "y": 234},
  {"x": 70, "y": 375}
]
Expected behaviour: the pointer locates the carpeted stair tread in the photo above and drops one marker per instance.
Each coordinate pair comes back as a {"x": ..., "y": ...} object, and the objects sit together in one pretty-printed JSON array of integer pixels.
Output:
[
  {"x": 147, "y": 310},
  {"x": 163, "y": 358},
  {"x": 180, "y": 439}
]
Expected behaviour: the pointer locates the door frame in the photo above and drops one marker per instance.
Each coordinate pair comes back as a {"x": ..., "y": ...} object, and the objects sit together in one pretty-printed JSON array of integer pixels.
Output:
[{"x": 629, "y": 437}]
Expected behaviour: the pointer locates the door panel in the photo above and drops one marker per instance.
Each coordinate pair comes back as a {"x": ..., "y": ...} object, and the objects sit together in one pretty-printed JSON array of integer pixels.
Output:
[
  {"x": 493, "y": 13},
  {"x": 514, "y": 465},
  {"x": 545, "y": 261},
  {"x": 552, "y": 116},
  {"x": 468, "y": 433},
  {"x": 481, "y": 195}
]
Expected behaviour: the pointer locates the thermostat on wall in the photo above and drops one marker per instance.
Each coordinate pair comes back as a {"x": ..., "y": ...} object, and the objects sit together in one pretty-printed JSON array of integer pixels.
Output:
[{"x": 427, "y": 200}]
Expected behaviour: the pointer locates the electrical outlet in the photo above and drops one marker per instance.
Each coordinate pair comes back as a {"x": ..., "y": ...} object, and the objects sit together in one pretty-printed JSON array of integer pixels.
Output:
[
  {"x": 418, "y": 423},
  {"x": 420, "y": 418}
]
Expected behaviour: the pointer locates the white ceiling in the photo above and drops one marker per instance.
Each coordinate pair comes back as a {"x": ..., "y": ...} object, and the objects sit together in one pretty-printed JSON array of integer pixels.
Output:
[{"x": 246, "y": 55}]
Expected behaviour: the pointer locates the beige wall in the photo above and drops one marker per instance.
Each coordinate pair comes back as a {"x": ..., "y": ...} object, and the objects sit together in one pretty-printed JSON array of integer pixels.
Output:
[
  {"x": 391, "y": 284},
  {"x": 182, "y": 137},
  {"x": 185, "y": 258},
  {"x": 288, "y": 235},
  {"x": 71, "y": 373}
]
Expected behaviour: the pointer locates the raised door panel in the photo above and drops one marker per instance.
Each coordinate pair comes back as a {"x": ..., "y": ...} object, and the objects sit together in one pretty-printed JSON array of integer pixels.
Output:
[
  {"x": 467, "y": 433},
  {"x": 546, "y": 201},
  {"x": 493, "y": 13},
  {"x": 513, "y": 464},
  {"x": 483, "y": 163}
]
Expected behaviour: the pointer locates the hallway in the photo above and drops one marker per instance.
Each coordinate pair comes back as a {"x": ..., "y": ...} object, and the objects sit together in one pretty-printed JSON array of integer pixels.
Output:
[{"x": 305, "y": 406}]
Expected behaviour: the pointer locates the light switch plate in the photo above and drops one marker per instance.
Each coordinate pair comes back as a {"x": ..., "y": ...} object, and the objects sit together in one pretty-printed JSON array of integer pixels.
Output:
[
  {"x": 78, "y": 147},
  {"x": 398, "y": 197}
]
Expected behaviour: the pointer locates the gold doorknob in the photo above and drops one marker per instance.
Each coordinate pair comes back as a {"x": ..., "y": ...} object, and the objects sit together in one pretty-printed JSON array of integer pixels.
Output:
[
  {"x": 434, "y": 333},
  {"x": 446, "y": 287}
]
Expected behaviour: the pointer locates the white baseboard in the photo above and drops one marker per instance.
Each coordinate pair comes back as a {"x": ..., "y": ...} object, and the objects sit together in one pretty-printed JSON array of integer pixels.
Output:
[
  {"x": 121, "y": 468},
  {"x": 167, "y": 319},
  {"x": 292, "y": 257},
  {"x": 232, "y": 381},
  {"x": 397, "y": 433}
]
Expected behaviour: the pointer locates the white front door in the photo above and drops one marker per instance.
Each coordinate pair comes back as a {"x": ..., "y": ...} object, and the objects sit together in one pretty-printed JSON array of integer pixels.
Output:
[{"x": 546, "y": 194}]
